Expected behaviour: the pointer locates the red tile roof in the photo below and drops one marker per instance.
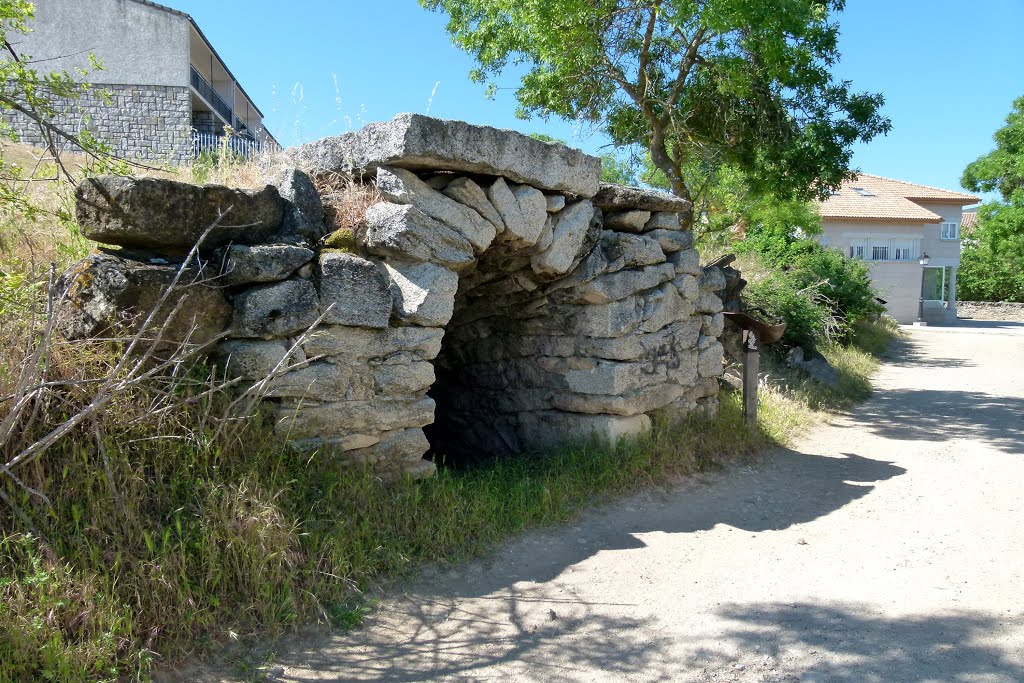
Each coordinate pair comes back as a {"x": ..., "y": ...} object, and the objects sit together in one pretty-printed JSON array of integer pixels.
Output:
[
  {"x": 969, "y": 220},
  {"x": 874, "y": 198}
]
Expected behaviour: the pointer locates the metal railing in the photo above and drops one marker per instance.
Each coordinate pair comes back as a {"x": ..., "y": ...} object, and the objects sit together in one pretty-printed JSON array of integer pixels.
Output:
[
  {"x": 230, "y": 144},
  {"x": 207, "y": 92}
]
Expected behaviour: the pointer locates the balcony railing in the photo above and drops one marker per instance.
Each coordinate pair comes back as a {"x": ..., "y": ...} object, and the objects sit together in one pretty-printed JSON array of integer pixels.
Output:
[
  {"x": 207, "y": 92},
  {"x": 235, "y": 145}
]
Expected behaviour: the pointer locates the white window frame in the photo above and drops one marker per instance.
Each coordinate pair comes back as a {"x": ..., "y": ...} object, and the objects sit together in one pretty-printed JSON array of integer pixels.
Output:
[
  {"x": 893, "y": 248},
  {"x": 949, "y": 231}
]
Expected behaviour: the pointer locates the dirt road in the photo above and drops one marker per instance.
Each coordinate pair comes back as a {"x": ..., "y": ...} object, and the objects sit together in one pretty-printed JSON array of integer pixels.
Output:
[{"x": 889, "y": 546}]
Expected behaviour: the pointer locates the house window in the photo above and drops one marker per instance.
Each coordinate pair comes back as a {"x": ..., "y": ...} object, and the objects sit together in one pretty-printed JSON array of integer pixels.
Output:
[
  {"x": 950, "y": 231},
  {"x": 934, "y": 284},
  {"x": 885, "y": 248}
]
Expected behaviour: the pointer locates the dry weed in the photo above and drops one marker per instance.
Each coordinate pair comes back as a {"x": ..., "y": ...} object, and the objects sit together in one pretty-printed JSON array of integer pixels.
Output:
[{"x": 346, "y": 201}]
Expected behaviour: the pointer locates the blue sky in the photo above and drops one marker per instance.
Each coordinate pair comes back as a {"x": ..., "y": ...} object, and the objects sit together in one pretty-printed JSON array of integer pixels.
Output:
[{"x": 949, "y": 71}]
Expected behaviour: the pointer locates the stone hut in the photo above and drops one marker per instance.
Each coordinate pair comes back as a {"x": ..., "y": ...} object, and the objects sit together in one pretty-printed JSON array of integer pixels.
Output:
[{"x": 499, "y": 299}]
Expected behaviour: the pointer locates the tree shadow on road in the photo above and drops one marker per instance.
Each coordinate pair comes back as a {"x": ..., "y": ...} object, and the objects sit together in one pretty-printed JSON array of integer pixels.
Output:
[
  {"x": 851, "y": 642},
  {"x": 790, "y": 488},
  {"x": 942, "y": 415},
  {"x": 431, "y": 639},
  {"x": 432, "y": 632},
  {"x": 907, "y": 353}
]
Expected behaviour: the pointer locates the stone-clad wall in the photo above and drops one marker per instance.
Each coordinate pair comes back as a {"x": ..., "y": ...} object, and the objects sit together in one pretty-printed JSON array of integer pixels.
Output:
[
  {"x": 498, "y": 300},
  {"x": 139, "y": 121}
]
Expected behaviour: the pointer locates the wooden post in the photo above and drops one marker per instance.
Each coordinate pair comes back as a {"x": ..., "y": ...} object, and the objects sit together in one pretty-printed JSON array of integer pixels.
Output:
[{"x": 751, "y": 363}]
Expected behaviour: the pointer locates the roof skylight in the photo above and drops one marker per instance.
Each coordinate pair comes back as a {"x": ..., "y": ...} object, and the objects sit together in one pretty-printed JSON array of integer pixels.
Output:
[{"x": 863, "y": 192}]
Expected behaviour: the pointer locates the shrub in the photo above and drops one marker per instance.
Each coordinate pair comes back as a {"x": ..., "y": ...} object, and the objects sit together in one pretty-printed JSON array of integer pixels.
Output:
[
  {"x": 807, "y": 320},
  {"x": 844, "y": 282},
  {"x": 837, "y": 289}
]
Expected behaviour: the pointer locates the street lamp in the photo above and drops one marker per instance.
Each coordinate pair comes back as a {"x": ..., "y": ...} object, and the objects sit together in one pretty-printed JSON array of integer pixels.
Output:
[{"x": 920, "y": 301}]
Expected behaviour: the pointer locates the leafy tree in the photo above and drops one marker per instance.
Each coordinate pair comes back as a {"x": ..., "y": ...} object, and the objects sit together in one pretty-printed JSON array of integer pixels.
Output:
[
  {"x": 744, "y": 82},
  {"x": 992, "y": 260}
]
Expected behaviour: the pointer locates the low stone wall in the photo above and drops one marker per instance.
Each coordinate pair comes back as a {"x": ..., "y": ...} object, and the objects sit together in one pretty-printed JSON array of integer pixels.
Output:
[
  {"x": 499, "y": 299},
  {"x": 990, "y": 310},
  {"x": 150, "y": 122}
]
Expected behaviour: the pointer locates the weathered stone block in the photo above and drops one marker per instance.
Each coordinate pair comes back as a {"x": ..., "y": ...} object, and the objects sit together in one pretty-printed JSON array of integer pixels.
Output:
[
  {"x": 157, "y": 213},
  {"x": 608, "y": 320},
  {"x": 673, "y": 240},
  {"x": 404, "y": 231},
  {"x": 275, "y": 310},
  {"x": 712, "y": 279},
  {"x": 304, "y": 211},
  {"x": 687, "y": 286},
  {"x": 243, "y": 264},
  {"x": 663, "y": 220},
  {"x": 394, "y": 448},
  {"x": 404, "y": 187},
  {"x": 624, "y": 250},
  {"x": 633, "y": 403},
  {"x": 301, "y": 420},
  {"x": 713, "y": 325},
  {"x": 708, "y": 302},
  {"x": 321, "y": 381},
  {"x": 419, "y": 142},
  {"x": 104, "y": 290},
  {"x": 632, "y": 220},
  {"x": 545, "y": 430},
  {"x": 619, "y": 197},
  {"x": 423, "y": 294},
  {"x": 467, "y": 192},
  {"x": 555, "y": 202},
  {"x": 619, "y": 285},
  {"x": 568, "y": 236},
  {"x": 663, "y": 306},
  {"x": 398, "y": 381},
  {"x": 709, "y": 362},
  {"x": 686, "y": 262},
  {"x": 351, "y": 344},
  {"x": 592, "y": 375},
  {"x": 254, "y": 359},
  {"x": 353, "y": 291}
]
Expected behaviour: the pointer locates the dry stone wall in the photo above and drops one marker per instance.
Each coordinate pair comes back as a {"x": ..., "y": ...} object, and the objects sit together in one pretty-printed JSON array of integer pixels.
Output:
[{"x": 499, "y": 299}]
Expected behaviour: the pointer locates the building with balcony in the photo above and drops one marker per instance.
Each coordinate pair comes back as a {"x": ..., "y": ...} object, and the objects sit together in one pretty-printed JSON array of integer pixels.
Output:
[
  {"x": 163, "y": 93},
  {"x": 891, "y": 224}
]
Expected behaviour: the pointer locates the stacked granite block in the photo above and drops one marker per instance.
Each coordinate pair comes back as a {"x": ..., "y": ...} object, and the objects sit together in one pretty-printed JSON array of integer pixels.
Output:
[{"x": 498, "y": 299}]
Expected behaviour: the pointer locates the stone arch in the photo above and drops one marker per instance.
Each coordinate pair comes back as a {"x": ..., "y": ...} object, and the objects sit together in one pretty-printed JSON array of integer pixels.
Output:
[
  {"x": 499, "y": 292},
  {"x": 517, "y": 303}
]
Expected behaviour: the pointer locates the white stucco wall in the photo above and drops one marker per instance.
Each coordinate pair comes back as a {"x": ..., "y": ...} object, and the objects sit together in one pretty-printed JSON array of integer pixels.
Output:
[
  {"x": 138, "y": 44},
  {"x": 942, "y": 252},
  {"x": 899, "y": 282}
]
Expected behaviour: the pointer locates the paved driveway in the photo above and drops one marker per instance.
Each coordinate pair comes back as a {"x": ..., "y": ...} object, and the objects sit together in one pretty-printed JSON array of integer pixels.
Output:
[{"x": 889, "y": 546}]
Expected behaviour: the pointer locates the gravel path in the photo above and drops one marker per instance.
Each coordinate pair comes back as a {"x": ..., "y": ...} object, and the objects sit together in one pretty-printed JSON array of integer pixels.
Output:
[{"x": 888, "y": 546}]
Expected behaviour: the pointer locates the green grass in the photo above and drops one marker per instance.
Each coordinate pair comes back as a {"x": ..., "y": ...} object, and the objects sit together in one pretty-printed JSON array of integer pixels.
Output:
[
  {"x": 189, "y": 543},
  {"x": 209, "y": 546},
  {"x": 219, "y": 543}
]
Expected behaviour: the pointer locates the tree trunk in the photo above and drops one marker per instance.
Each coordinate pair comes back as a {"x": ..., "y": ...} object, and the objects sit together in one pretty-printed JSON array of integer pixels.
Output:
[{"x": 667, "y": 165}]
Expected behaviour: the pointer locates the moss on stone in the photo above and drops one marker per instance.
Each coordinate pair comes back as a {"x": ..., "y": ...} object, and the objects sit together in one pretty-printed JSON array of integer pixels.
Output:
[{"x": 342, "y": 240}]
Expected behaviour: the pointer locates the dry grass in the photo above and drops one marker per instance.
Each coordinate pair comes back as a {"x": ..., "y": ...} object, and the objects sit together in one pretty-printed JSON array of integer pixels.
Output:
[
  {"x": 346, "y": 202},
  {"x": 159, "y": 538}
]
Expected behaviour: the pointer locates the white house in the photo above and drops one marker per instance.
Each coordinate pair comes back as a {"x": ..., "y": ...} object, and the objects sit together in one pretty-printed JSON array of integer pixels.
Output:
[
  {"x": 891, "y": 224},
  {"x": 163, "y": 89}
]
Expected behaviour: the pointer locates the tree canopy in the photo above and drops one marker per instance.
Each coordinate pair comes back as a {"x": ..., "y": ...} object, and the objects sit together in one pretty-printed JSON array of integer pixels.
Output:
[
  {"x": 744, "y": 82},
  {"x": 993, "y": 256}
]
